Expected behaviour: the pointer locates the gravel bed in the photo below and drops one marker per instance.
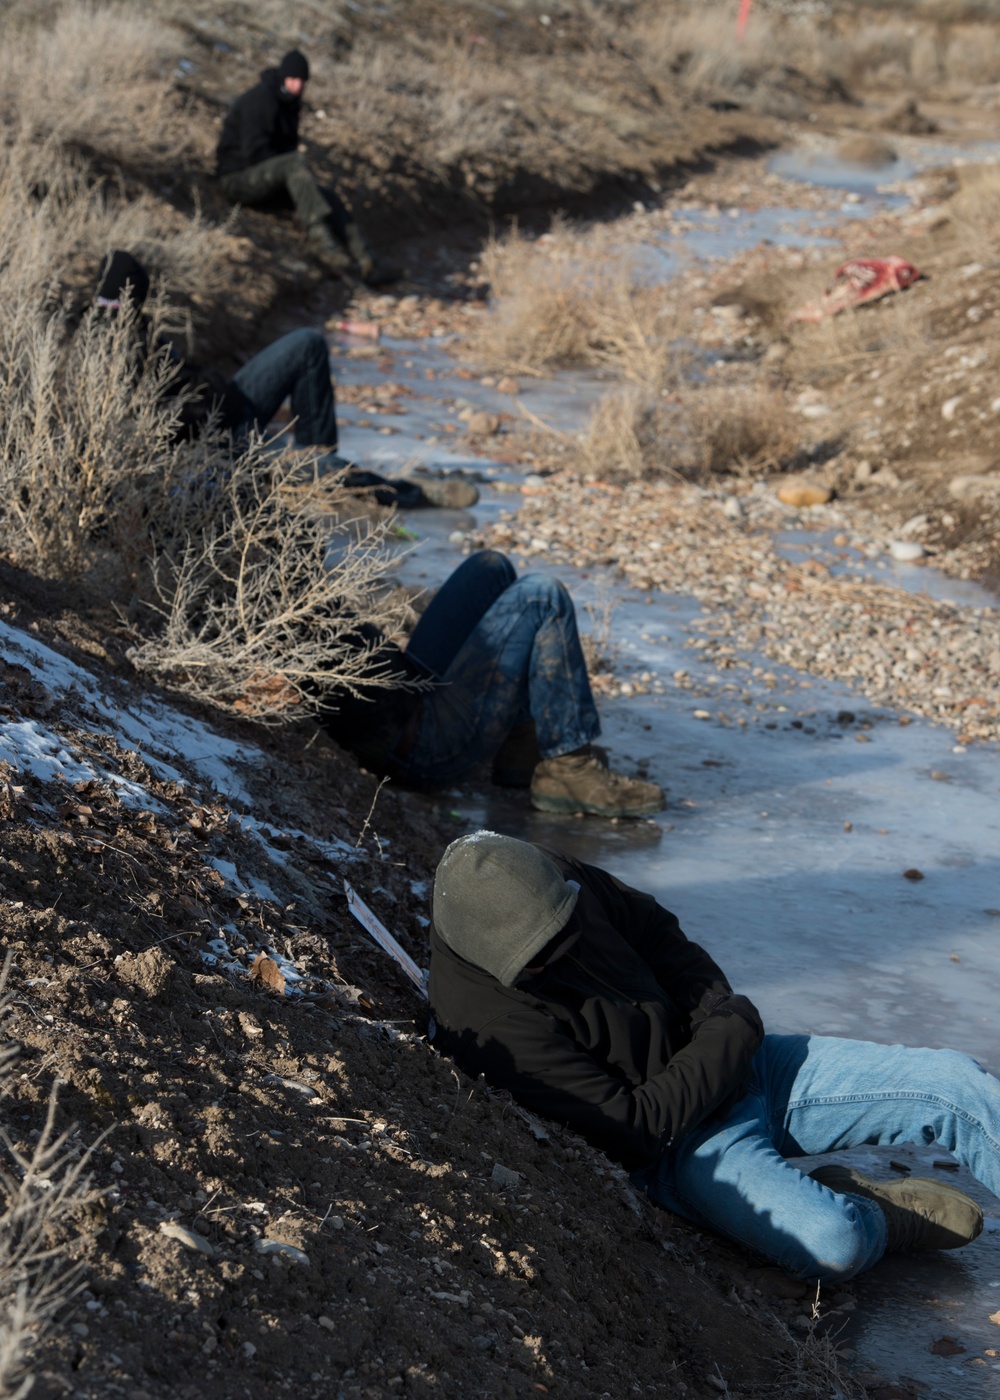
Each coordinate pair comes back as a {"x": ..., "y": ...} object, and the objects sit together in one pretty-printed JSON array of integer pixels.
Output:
[{"x": 906, "y": 651}]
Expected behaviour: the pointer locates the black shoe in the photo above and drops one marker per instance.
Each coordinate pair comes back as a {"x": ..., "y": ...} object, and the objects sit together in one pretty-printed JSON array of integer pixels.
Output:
[{"x": 920, "y": 1214}]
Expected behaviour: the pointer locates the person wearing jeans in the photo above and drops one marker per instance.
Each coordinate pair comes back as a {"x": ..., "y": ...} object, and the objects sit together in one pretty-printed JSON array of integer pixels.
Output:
[
  {"x": 296, "y": 367},
  {"x": 498, "y": 674},
  {"x": 584, "y": 998}
]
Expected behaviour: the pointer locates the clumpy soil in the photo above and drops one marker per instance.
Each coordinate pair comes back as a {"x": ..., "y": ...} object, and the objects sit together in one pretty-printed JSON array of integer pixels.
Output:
[{"x": 443, "y": 1242}]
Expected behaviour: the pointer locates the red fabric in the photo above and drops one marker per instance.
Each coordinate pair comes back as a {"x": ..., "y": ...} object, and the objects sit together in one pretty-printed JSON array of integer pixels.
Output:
[{"x": 857, "y": 281}]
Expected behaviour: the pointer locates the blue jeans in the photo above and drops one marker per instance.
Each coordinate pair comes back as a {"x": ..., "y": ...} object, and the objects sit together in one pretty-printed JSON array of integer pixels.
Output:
[
  {"x": 815, "y": 1094},
  {"x": 297, "y": 365},
  {"x": 505, "y": 650}
]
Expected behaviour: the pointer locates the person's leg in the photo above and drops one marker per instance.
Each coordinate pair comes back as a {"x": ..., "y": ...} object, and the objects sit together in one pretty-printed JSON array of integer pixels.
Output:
[
  {"x": 458, "y": 607},
  {"x": 296, "y": 366},
  {"x": 522, "y": 659},
  {"x": 851, "y": 1093},
  {"x": 814, "y": 1095},
  {"x": 288, "y": 172}
]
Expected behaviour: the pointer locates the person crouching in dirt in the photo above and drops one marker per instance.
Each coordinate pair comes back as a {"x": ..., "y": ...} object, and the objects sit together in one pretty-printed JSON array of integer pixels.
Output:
[
  {"x": 296, "y": 367},
  {"x": 584, "y": 998},
  {"x": 258, "y": 158},
  {"x": 505, "y": 681}
]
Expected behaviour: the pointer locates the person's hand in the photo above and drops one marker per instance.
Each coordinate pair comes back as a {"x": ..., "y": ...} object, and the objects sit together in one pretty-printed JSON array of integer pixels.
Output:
[{"x": 730, "y": 1004}]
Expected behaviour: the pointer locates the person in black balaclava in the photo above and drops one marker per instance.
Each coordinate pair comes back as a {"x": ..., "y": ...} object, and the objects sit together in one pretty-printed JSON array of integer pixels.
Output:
[
  {"x": 258, "y": 157},
  {"x": 296, "y": 367}
]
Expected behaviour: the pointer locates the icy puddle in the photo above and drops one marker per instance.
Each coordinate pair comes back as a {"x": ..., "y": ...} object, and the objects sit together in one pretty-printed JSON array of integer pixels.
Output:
[{"x": 843, "y": 867}]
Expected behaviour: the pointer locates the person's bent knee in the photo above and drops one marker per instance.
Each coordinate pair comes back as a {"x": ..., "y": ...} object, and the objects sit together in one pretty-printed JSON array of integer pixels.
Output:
[
  {"x": 833, "y": 1248},
  {"x": 545, "y": 589},
  {"x": 492, "y": 561}
]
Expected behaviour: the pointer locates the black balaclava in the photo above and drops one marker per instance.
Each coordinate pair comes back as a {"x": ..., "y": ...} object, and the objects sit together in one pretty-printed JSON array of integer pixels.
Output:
[
  {"x": 294, "y": 65},
  {"x": 118, "y": 270}
]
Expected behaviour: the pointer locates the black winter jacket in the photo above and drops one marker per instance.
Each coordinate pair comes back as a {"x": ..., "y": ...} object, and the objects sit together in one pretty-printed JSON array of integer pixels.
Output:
[
  {"x": 263, "y": 122},
  {"x": 630, "y": 1038}
]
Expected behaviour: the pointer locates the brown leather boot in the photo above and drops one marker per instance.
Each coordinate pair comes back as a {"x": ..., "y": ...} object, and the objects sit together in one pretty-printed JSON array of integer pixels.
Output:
[
  {"x": 919, "y": 1213},
  {"x": 579, "y": 782}
]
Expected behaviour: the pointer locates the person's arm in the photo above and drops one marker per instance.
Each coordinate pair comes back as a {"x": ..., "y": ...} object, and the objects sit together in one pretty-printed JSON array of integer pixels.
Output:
[
  {"x": 528, "y": 1053},
  {"x": 256, "y": 127},
  {"x": 683, "y": 969}
]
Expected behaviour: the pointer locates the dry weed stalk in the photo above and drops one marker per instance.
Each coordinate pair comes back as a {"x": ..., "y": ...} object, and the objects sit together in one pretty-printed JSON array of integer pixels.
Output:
[
  {"x": 268, "y": 590},
  {"x": 42, "y": 1193}
]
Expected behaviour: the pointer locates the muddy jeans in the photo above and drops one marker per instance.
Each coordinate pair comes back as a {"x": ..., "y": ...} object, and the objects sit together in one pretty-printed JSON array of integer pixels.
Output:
[
  {"x": 289, "y": 173},
  {"x": 505, "y": 649},
  {"x": 296, "y": 366},
  {"x": 814, "y": 1094}
]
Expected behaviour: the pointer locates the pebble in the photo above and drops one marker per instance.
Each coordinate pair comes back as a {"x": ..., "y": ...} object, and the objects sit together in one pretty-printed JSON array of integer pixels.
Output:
[
  {"x": 950, "y": 407},
  {"x": 507, "y": 385},
  {"x": 972, "y": 485},
  {"x": 286, "y": 1251},
  {"x": 905, "y": 551},
  {"x": 483, "y": 424},
  {"x": 190, "y": 1239},
  {"x": 504, "y": 1177},
  {"x": 733, "y": 508},
  {"x": 799, "y": 491}
]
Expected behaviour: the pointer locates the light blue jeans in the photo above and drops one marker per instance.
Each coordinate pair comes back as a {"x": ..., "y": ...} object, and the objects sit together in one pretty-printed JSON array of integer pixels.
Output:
[{"x": 815, "y": 1094}]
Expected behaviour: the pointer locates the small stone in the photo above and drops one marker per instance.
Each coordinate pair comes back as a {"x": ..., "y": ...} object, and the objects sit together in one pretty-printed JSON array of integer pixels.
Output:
[
  {"x": 702, "y": 714},
  {"x": 190, "y": 1239},
  {"x": 906, "y": 551},
  {"x": 733, "y": 508},
  {"x": 913, "y": 874},
  {"x": 504, "y": 1177},
  {"x": 973, "y": 485},
  {"x": 950, "y": 407},
  {"x": 863, "y": 471},
  {"x": 800, "y": 491},
  {"x": 327, "y": 1323},
  {"x": 507, "y": 385},
  {"x": 484, "y": 424},
  {"x": 278, "y": 1248}
]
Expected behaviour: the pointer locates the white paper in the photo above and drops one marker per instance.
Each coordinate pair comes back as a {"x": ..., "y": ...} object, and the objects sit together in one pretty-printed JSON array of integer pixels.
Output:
[{"x": 384, "y": 938}]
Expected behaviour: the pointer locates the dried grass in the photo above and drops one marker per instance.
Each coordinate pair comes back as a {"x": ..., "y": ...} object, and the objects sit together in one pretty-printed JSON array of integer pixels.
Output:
[
  {"x": 265, "y": 581},
  {"x": 43, "y": 1191},
  {"x": 735, "y": 430},
  {"x": 559, "y": 302},
  {"x": 626, "y": 437},
  {"x": 83, "y": 72}
]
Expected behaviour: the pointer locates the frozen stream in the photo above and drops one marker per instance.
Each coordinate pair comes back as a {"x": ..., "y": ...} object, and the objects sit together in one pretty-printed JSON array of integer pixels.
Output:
[{"x": 785, "y": 841}]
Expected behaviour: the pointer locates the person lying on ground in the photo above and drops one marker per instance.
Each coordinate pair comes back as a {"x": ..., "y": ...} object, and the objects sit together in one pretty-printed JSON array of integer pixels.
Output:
[
  {"x": 296, "y": 367},
  {"x": 584, "y": 999},
  {"x": 258, "y": 158},
  {"x": 507, "y": 683}
]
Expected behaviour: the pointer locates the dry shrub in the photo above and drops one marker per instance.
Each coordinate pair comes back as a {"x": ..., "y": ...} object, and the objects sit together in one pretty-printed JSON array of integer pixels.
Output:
[
  {"x": 43, "y": 1190},
  {"x": 560, "y": 302},
  {"x": 268, "y": 588},
  {"x": 735, "y": 430},
  {"x": 973, "y": 55},
  {"x": 84, "y": 72},
  {"x": 85, "y": 442},
  {"x": 892, "y": 335},
  {"x": 627, "y": 437}
]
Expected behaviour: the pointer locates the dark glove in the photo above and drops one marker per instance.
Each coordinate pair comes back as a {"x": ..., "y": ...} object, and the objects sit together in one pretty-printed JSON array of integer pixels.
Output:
[{"x": 723, "y": 1004}]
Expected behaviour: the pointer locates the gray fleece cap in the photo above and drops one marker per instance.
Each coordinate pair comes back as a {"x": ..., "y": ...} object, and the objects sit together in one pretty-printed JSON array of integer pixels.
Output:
[{"x": 498, "y": 901}]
